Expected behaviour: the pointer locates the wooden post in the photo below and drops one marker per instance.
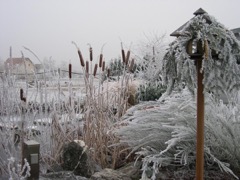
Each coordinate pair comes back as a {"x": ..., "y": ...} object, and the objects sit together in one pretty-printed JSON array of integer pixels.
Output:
[
  {"x": 31, "y": 152},
  {"x": 200, "y": 123}
]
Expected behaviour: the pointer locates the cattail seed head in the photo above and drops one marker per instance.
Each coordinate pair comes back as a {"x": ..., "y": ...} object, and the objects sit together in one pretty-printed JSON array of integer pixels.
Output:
[
  {"x": 103, "y": 66},
  {"x": 91, "y": 53},
  {"x": 81, "y": 58},
  {"x": 127, "y": 57},
  {"x": 123, "y": 56},
  {"x": 21, "y": 95},
  {"x": 70, "y": 71},
  {"x": 100, "y": 60},
  {"x": 87, "y": 67},
  {"x": 95, "y": 70},
  {"x": 131, "y": 66},
  {"x": 108, "y": 73}
]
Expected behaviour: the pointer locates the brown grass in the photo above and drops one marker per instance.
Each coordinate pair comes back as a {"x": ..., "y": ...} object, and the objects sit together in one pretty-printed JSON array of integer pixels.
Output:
[{"x": 103, "y": 108}]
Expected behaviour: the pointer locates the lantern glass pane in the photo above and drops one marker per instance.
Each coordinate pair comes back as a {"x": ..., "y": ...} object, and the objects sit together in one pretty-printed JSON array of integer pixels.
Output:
[{"x": 194, "y": 46}]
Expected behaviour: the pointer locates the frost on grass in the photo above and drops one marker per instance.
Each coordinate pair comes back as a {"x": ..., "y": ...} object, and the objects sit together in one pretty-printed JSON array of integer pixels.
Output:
[{"x": 163, "y": 133}]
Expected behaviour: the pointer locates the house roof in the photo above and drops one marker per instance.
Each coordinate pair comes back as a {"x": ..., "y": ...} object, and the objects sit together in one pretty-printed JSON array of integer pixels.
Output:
[
  {"x": 16, "y": 61},
  {"x": 236, "y": 32}
]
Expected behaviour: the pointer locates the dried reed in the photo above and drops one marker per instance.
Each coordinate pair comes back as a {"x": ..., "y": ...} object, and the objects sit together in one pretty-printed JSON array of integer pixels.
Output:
[
  {"x": 87, "y": 67},
  {"x": 70, "y": 71},
  {"x": 95, "y": 70},
  {"x": 99, "y": 115},
  {"x": 123, "y": 54},
  {"x": 127, "y": 57},
  {"x": 103, "y": 66},
  {"x": 81, "y": 58},
  {"x": 100, "y": 60},
  {"x": 91, "y": 53}
]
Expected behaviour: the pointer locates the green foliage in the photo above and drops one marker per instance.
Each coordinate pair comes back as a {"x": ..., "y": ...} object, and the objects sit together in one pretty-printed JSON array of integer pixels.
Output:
[
  {"x": 150, "y": 91},
  {"x": 116, "y": 67}
]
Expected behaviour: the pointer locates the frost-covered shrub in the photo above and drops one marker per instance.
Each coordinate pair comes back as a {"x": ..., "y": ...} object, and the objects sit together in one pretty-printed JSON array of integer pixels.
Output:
[
  {"x": 116, "y": 67},
  {"x": 150, "y": 54},
  {"x": 221, "y": 57},
  {"x": 163, "y": 133}
]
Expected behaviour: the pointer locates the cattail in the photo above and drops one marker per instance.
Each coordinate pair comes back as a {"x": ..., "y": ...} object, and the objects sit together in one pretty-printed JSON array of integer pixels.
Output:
[
  {"x": 123, "y": 55},
  {"x": 70, "y": 70},
  {"x": 95, "y": 70},
  {"x": 103, "y": 66},
  {"x": 108, "y": 73},
  {"x": 24, "y": 99},
  {"x": 91, "y": 53},
  {"x": 21, "y": 96},
  {"x": 127, "y": 57},
  {"x": 81, "y": 58},
  {"x": 131, "y": 66},
  {"x": 100, "y": 60},
  {"x": 87, "y": 67}
]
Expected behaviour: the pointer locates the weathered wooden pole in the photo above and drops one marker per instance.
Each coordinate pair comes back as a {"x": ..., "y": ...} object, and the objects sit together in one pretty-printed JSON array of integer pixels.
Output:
[{"x": 200, "y": 123}]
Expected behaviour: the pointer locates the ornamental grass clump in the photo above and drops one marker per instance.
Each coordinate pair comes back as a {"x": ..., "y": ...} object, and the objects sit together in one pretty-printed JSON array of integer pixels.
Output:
[
  {"x": 163, "y": 136},
  {"x": 103, "y": 107}
]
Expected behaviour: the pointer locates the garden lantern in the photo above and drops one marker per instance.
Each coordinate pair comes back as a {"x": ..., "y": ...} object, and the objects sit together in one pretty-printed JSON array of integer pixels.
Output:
[
  {"x": 195, "y": 50},
  {"x": 205, "y": 56}
]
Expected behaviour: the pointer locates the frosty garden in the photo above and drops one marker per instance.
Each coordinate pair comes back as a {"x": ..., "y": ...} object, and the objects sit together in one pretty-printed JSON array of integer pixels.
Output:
[{"x": 128, "y": 118}]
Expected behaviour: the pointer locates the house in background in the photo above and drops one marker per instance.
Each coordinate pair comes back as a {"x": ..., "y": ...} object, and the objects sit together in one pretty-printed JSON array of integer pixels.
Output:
[
  {"x": 236, "y": 32},
  {"x": 19, "y": 67},
  {"x": 39, "y": 68}
]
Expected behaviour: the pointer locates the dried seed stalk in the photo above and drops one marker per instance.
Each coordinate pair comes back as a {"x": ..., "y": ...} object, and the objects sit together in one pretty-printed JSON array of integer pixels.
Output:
[
  {"x": 81, "y": 58},
  {"x": 100, "y": 60},
  {"x": 108, "y": 73},
  {"x": 123, "y": 54},
  {"x": 103, "y": 66},
  {"x": 70, "y": 71},
  {"x": 91, "y": 53},
  {"x": 87, "y": 67},
  {"x": 127, "y": 57},
  {"x": 95, "y": 70},
  {"x": 21, "y": 96},
  {"x": 131, "y": 66}
]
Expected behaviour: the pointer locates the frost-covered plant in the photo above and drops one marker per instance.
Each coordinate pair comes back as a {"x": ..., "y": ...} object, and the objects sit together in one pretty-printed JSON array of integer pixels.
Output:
[
  {"x": 116, "y": 67},
  {"x": 163, "y": 133},
  {"x": 45, "y": 111},
  {"x": 104, "y": 105},
  {"x": 150, "y": 91},
  {"x": 150, "y": 55},
  {"x": 221, "y": 51},
  {"x": 15, "y": 170}
]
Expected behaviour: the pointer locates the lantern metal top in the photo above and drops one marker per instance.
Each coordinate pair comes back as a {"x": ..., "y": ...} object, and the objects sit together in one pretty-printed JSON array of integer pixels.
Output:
[
  {"x": 199, "y": 12},
  {"x": 178, "y": 32}
]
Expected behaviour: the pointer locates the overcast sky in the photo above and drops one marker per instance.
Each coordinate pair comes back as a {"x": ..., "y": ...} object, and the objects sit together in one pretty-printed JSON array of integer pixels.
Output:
[{"x": 48, "y": 27}]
